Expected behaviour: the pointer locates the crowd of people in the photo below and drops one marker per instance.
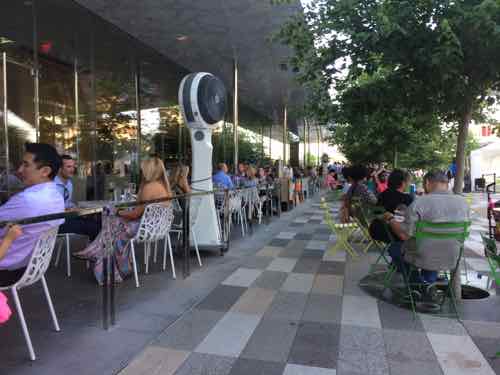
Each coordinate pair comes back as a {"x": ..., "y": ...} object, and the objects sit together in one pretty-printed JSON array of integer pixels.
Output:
[{"x": 404, "y": 207}]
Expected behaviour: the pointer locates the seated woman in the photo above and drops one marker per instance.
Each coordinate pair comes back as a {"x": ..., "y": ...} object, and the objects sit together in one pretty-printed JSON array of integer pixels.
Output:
[
  {"x": 179, "y": 180},
  {"x": 358, "y": 190},
  {"x": 125, "y": 223},
  {"x": 251, "y": 180}
]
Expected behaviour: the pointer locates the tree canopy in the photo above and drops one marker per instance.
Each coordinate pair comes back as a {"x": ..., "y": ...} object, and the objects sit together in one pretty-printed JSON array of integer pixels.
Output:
[{"x": 397, "y": 69}]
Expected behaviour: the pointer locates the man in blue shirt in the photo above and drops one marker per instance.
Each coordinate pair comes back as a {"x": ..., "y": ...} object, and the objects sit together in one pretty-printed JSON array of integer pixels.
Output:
[
  {"x": 89, "y": 225},
  {"x": 221, "y": 178}
]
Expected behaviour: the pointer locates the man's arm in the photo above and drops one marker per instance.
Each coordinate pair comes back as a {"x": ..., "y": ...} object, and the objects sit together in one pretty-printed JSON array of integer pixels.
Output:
[{"x": 13, "y": 232}]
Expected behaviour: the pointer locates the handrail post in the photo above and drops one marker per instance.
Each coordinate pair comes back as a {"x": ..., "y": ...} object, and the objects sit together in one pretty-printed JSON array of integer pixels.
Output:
[{"x": 185, "y": 235}]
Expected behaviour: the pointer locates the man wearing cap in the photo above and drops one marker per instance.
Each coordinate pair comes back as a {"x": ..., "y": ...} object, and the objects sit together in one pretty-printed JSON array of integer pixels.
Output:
[{"x": 438, "y": 205}]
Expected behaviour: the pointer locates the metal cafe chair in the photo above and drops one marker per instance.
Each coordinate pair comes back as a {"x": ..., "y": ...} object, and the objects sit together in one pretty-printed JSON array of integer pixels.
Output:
[
  {"x": 154, "y": 225},
  {"x": 458, "y": 231},
  {"x": 35, "y": 271},
  {"x": 65, "y": 241}
]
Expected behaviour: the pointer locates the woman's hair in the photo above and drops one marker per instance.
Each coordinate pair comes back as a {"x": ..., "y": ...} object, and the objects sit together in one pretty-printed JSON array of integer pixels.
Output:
[
  {"x": 251, "y": 173},
  {"x": 397, "y": 178},
  {"x": 153, "y": 170},
  {"x": 179, "y": 171},
  {"x": 358, "y": 172}
]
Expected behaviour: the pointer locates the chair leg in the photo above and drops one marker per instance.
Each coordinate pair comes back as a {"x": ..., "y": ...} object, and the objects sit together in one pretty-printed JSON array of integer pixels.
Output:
[
  {"x": 171, "y": 256},
  {"x": 147, "y": 249},
  {"x": 195, "y": 241},
  {"x": 155, "y": 256},
  {"x": 58, "y": 255},
  {"x": 24, "y": 326},
  {"x": 134, "y": 263},
  {"x": 51, "y": 306},
  {"x": 68, "y": 256}
]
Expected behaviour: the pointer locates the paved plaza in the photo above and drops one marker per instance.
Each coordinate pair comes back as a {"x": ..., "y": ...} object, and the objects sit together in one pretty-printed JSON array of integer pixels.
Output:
[
  {"x": 278, "y": 303},
  {"x": 298, "y": 310}
]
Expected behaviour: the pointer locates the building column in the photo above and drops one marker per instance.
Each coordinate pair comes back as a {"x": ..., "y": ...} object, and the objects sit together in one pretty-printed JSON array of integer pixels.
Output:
[
  {"x": 285, "y": 133},
  {"x": 138, "y": 114},
  {"x": 235, "y": 115}
]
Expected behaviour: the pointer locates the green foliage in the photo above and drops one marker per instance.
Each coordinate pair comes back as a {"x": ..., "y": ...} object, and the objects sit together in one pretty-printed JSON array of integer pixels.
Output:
[
  {"x": 398, "y": 69},
  {"x": 250, "y": 149}
]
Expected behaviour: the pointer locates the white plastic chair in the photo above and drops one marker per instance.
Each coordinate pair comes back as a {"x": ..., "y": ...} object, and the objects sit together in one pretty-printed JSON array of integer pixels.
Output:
[
  {"x": 155, "y": 225},
  {"x": 194, "y": 209},
  {"x": 35, "y": 271},
  {"x": 237, "y": 208},
  {"x": 65, "y": 240}
]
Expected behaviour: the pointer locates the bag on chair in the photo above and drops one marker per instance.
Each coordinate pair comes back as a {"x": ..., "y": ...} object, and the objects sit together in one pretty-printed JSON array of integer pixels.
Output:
[{"x": 5, "y": 312}]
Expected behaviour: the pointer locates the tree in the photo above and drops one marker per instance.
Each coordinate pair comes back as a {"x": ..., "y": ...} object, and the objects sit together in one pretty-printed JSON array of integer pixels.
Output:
[{"x": 441, "y": 56}]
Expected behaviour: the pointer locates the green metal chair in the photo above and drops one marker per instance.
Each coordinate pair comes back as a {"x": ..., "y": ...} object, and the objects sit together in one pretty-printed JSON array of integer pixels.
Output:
[
  {"x": 492, "y": 256},
  {"x": 439, "y": 231},
  {"x": 342, "y": 232}
]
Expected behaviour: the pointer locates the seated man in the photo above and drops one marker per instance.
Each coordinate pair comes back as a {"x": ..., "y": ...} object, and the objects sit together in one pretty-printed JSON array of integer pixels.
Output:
[
  {"x": 88, "y": 226},
  {"x": 40, "y": 197},
  {"x": 221, "y": 178},
  {"x": 438, "y": 205}
]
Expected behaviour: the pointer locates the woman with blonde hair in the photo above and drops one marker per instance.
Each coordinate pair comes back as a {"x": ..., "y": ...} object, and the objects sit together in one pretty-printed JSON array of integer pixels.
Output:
[
  {"x": 251, "y": 180},
  {"x": 179, "y": 179},
  {"x": 125, "y": 223}
]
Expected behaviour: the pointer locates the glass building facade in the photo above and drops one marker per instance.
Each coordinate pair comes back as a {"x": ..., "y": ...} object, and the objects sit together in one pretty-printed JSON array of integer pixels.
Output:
[{"x": 73, "y": 80}]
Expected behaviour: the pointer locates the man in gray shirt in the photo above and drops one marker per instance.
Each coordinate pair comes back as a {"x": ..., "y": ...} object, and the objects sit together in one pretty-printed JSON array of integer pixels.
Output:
[{"x": 439, "y": 205}]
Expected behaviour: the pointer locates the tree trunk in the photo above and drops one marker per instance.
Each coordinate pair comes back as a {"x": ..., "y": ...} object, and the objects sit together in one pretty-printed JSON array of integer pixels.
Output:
[
  {"x": 463, "y": 132},
  {"x": 395, "y": 159}
]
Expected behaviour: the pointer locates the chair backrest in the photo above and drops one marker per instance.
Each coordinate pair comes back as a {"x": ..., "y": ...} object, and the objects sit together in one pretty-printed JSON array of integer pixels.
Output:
[
  {"x": 491, "y": 253},
  {"x": 155, "y": 222},
  {"x": 442, "y": 231},
  {"x": 40, "y": 258}
]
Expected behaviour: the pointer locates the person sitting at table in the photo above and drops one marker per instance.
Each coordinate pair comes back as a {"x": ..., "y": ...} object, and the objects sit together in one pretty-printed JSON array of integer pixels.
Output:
[
  {"x": 251, "y": 178},
  {"x": 438, "y": 205},
  {"x": 125, "y": 223},
  {"x": 332, "y": 182},
  {"x": 40, "y": 165},
  {"x": 395, "y": 195},
  {"x": 87, "y": 226},
  {"x": 358, "y": 190},
  {"x": 179, "y": 180},
  {"x": 221, "y": 179}
]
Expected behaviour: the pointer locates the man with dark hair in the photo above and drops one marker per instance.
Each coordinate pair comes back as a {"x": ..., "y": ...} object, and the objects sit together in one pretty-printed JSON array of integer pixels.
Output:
[
  {"x": 221, "y": 178},
  {"x": 40, "y": 165},
  {"x": 439, "y": 205},
  {"x": 88, "y": 226},
  {"x": 395, "y": 194}
]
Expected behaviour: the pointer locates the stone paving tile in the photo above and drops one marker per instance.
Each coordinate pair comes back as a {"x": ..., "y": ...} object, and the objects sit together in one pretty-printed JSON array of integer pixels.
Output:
[
  {"x": 458, "y": 355},
  {"x": 287, "y": 305},
  {"x": 270, "y": 280},
  {"x": 296, "y": 244},
  {"x": 436, "y": 324},
  {"x": 323, "y": 229},
  {"x": 230, "y": 335},
  {"x": 307, "y": 265},
  {"x": 402, "y": 345},
  {"x": 316, "y": 345},
  {"x": 298, "y": 282},
  {"x": 271, "y": 340},
  {"x": 155, "y": 360},
  {"x": 319, "y": 254},
  {"x": 304, "y": 236},
  {"x": 410, "y": 366},
  {"x": 206, "y": 364},
  {"x": 282, "y": 264},
  {"x": 360, "y": 311},
  {"x": 328, "y": 284},
  {"x": 301, "y": 220},
  {"x": 359, "y": 362},
  {"x": 245, "y": 366},
  {"x": 291, "y": 369},
  {"x": 286, "y": 235},
  {"x": 323, "y": 308},
  {"x": 485, "y": 310},
  {"x": 190, "y": 330},
  {"x": 362, "y": 339},
  {"x": 393, "y": 317},
  {"x": 260, "y": 263},
  {"x": 322, "y": 237},
  {"x": 295, "y": 252},
  {"x": 279, "y": 242},
  {"x": 254, "y": 301},
  {"x": 317, "y": 245},
  {"x": 269, "y": 251},
  {"x": 331, "y": 268},
  {"x": 221, "y": 298},
  {"x": 489, "y": 347},
  {"x": 489, "y": 330},
  {"x": 243, "y": 277},
  {"x": 337, "y": 256}
]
